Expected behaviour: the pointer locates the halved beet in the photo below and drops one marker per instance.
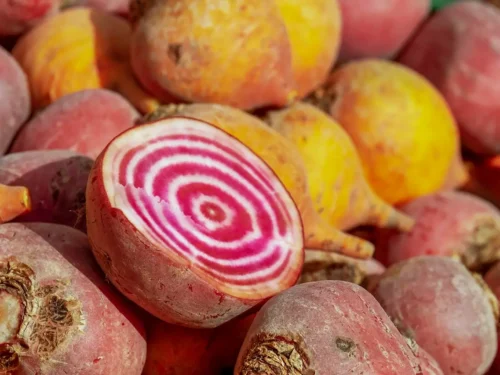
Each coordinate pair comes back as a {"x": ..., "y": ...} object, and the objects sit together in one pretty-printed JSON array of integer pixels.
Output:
[{"x": 190, "y": 224}]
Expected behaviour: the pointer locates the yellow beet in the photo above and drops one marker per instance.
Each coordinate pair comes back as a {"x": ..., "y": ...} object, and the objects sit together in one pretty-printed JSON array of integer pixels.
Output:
[
  {"x": 79, "y": 49},
  {"x": 230, "y": 52},
  {"x": 14, "y": 201},
  {"x": 314, "y": 30},
  {"x": 401, "y": 126},
  {"x": 339, "y": 190},
  {"x": 246, "y": 54},
  {"x": 283, "y": 158}
]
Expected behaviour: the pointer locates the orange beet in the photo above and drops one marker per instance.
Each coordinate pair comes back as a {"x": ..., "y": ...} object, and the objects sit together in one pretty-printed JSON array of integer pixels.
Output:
[
  {"x": 83, "y": 122},
  {"x": 77, "y": 49},
  {"x": 14, "y": 201},
  {"x": 238, "y": 53},
  {"x": 400, "y": 125},
  {"x": 204, "y": 54}
]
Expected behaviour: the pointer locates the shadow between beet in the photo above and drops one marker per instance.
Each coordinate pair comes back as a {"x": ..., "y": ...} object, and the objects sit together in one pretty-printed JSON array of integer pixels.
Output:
[{"x": 57, "y": 188}]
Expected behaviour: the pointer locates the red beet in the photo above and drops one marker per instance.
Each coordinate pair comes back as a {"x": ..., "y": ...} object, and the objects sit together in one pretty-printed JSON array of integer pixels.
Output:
[
  {"x": 15, "y": 105},
  {"x": 20, "y": 15},
  {"x": 84, "y": 122},
  {"x": 325, "y": 327},
  {"x": 378, "y": 28},
  {"x": 190, "y": 224},
  {"x": 450, "y": 313},
  {"x": 57, "y": 314},
  {"x": 56, "y": 180},
  {"x": 450, "y": 224},
  {"x": 458, "y": 50}
]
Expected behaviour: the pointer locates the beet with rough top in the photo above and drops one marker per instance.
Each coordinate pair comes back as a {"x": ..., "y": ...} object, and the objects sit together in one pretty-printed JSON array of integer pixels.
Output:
[
  {"x": 58, "y": 315},
  {"x": 449, "y": 312},
  {"x": 325, "y": 327},
  {"x": 452, "y": 223}
]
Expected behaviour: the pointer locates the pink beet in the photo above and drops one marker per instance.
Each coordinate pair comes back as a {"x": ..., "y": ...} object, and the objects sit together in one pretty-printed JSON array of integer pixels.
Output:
[
  {"x": 378, "y": 28},
  {"x": 83, "y": 122},
  {"x": 450, "y": 224},
  {"x": 450, "y": 313},
  {"x": 18, "y": 16},
  {"x": 58, "y": 315},
  {"x": 458, "y": 50},
  {"x": 325, "y": 327},
  {"x": 56, "y": 180},
  {"x": 15, "y": 105},
  {"x": 190, "y": 224}
]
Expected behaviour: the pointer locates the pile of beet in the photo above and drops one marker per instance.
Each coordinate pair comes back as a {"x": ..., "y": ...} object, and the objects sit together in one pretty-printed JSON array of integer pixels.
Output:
[{"x": 266, "y": 187}]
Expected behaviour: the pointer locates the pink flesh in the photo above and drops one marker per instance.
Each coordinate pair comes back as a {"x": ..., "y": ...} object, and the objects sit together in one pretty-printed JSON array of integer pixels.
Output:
[{"x": 212, "y": 203}]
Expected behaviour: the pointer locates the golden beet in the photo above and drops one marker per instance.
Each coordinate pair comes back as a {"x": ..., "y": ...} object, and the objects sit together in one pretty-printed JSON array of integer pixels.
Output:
[
  {"x": 246, "y": 54},
  {"x": 401, "y": 126},
  {"x": 314, "y": 29},
  {"x": 339, "y": 190},
  {"x": 284, "y": 159},
  {"x": 79, "y": 49}
]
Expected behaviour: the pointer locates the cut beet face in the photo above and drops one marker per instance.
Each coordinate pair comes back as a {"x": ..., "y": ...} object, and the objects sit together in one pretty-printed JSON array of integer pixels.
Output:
[{"x": 190, "y": 224}]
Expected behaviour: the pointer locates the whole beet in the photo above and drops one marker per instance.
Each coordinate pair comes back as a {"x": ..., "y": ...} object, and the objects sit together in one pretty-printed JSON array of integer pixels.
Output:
[
  {"x": 450, "y": 313},
  {"x": 69, "y": 320},
  {"x": 325, "y": 327},
  {"x": 457, "y": 50},
  {"x": 15, "y": 105},
  {"x": 378, "y": 28},
  {"x": 84, "y": 122},
  {"x": 450, "y": 223}
]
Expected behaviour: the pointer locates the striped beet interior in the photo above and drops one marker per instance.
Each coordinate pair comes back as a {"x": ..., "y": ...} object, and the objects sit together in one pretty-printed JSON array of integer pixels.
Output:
[{"x": 195, "y": 190}]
